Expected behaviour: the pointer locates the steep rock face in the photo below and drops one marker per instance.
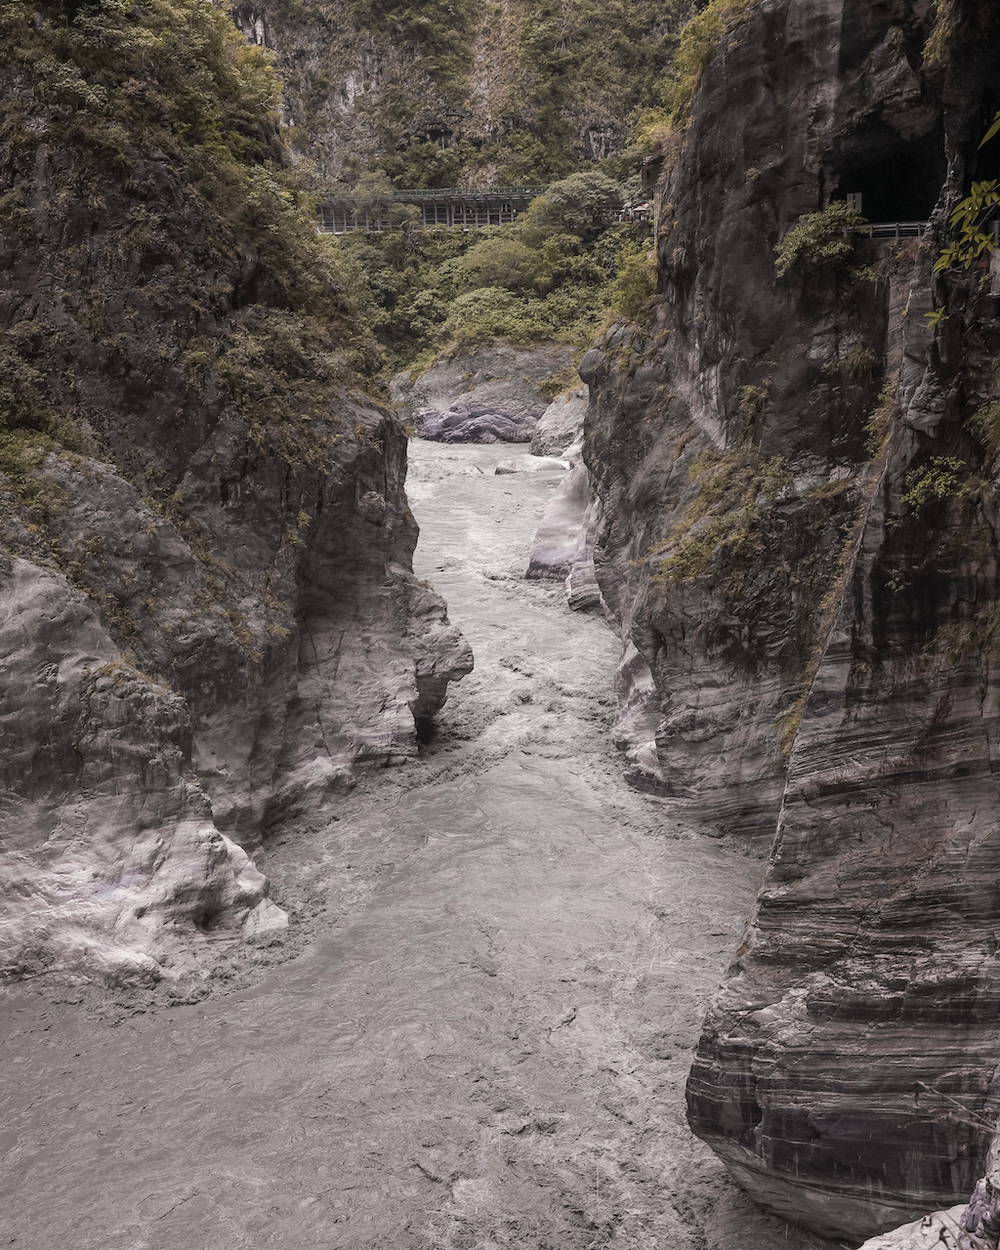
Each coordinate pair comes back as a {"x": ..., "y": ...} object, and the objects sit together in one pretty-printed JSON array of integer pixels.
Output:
[
  {"x": 515, "y": 91},
  {"x": 208, "y": 613},
  {"x": 809, "y": 616},
  {"x": 560, "y": 427}
]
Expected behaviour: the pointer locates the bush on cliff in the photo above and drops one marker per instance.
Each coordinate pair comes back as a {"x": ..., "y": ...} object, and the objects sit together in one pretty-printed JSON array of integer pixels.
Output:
[
  {"x": 550, "y": 275},
  {"x": 819, "y": 238}
]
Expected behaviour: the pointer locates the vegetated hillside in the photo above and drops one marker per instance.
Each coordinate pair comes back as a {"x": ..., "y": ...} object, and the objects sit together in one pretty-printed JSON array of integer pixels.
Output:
[
  {"x": 552, "y": 275},
  {"x": 452, "y": 92},
  {"x": 205, "y": 602},
  {"x": 795, "y": 466},
  {"x": 388, "y": 95}
]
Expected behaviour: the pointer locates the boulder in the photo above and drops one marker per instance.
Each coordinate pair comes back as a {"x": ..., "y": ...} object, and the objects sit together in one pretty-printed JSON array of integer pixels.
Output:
[
  {"x": 493, "y": 394},
  {"x": 532, "y": 464},
  {"x": 560, "y": 427}
]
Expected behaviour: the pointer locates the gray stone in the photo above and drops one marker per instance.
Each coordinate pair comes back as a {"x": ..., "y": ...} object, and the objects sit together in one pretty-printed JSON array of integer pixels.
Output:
[
  {"x": 532, "y": 464},
  {"x": 492, "y": 394},
  {"x": 560, "y": 426}
]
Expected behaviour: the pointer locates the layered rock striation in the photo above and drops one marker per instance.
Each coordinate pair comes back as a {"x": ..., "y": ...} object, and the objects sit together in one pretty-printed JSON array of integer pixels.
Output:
[{"x": 796, "y": 534}]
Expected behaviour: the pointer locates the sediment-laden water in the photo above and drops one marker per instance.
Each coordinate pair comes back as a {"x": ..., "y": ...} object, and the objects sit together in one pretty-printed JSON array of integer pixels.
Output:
[{"x": 484, "y": 1037}]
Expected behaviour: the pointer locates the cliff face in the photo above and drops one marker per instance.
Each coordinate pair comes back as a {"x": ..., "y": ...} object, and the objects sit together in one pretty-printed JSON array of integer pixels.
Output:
[
  {"x": 208, "y": 613},
  {"x": 509, "y": 91},
  {"x": 798, "y": 537}
]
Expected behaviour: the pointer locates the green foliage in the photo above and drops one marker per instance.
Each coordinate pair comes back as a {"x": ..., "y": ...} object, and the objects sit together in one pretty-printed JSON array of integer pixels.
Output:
[
  {"x": 423, "y": 163},
  {"x": 935, "y": 50},
  {"x": 574, "y": 202},
  {"x": 860, "y": 363},
  {"x": 634, "y": 284},
  {"x": 550, "y": 275},
  {"x": 992, "y": 133},
  {"x": 116, "y": 74},
  {"x": 439, "y": 32},
  {"x": 504, "y": 262},
  {"x": 970, "y": 217},
  {"x": 211, "y": 279},
  {"x": 986, "y": 422},
  {"x": 879, "y": 424},
  {"x": 282, "y": 371},
  {"x": 819, "y": 239},
  {"x": 699, "y": 40},
  {"x": 524, "y": 83},
  {"x": 941, "y": 478},
  {"x": 722, "y": 525}
]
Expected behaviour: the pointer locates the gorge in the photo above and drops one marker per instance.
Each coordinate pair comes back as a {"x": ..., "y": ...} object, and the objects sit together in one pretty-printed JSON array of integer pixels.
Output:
[{"x": 318, "y": 942}]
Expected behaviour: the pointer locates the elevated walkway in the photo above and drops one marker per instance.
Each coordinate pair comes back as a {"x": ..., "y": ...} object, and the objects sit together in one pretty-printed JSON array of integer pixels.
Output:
[{"x": 440, "y": 206}]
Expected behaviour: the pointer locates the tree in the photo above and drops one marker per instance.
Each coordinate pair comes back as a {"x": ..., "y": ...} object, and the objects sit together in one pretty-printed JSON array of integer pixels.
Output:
[{"x": 573, "y": 203}]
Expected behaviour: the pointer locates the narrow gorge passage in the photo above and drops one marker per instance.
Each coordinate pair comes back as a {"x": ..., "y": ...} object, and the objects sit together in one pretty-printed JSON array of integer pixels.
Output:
[{"x": 485, "y": 1041}]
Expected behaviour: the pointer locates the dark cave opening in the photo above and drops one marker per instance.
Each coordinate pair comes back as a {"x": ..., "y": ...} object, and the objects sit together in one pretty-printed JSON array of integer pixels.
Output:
[{"x": 897, "y": 180}]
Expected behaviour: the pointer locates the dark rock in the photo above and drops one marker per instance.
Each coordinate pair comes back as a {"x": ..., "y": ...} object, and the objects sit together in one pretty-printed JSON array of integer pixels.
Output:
[{"x": 818, "y": 654}]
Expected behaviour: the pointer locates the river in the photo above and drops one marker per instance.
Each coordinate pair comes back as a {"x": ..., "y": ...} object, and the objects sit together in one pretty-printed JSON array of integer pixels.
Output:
[{"x": 480, "y": 1032}]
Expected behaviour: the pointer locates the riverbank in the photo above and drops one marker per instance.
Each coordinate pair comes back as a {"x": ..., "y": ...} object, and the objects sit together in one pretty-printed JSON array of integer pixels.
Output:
[{"x": 505, "y": 955}]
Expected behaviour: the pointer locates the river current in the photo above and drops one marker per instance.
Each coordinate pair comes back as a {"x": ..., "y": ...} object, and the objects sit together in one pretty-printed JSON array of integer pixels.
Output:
[{"x": 499, "y": 962}]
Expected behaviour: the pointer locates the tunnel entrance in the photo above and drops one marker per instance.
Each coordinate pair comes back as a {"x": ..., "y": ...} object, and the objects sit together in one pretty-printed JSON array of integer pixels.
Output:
[{"x": 897, "y": 180}]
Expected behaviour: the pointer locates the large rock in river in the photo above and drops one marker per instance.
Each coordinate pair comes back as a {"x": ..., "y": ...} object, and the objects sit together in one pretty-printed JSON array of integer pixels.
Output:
[
  {"x": 561, "y": 424},
  {"x": 493, "y": 394}
]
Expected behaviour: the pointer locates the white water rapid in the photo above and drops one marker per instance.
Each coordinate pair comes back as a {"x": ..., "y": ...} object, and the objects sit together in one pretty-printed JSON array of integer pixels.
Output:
[{"x": 482, "y": 1041}]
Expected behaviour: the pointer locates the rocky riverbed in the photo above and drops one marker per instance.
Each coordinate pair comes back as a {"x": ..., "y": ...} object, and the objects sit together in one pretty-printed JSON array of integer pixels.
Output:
[{"x": 478, "y": 1031}]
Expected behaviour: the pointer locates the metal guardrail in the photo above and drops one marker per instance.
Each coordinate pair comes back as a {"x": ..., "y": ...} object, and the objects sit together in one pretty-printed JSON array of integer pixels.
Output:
[{"x": 892, "y": 229}]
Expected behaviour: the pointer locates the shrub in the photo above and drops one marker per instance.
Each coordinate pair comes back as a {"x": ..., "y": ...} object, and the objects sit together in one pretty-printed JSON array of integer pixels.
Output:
[
  {"x": 941, "y": 478},
  {"x": 573, "y": 203},
  {"x": 986, "y": 422},
  {"x": 634, "y": 285},
  {"x": 698, "y": 43},
  {"x": 502, "y": 262},
  {"x": 722, "y": 522},
  {"x": 819, "y": 239}
]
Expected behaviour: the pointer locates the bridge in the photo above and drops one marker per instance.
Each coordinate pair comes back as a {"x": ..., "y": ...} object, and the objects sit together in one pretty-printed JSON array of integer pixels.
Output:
[{"x": 440, "y": 206}]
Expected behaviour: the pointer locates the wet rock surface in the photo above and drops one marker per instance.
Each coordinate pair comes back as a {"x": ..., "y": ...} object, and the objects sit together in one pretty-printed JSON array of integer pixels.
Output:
[{"x": 485, "y": 1038}]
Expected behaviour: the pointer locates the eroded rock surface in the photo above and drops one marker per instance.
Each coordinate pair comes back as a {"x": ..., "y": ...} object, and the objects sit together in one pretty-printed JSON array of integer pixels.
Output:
[
  {"x": 560, "y": 426},
  {"x": 493, "y": 394},
  {"x": 208, "y": 616},
  {"x": 809, "y": 623}
]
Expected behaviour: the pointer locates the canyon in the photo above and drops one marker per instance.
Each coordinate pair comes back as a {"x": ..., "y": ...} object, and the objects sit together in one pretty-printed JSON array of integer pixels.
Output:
[
  {"x": 461, "y": 927},
  {"x": 477, "y": 1027}
]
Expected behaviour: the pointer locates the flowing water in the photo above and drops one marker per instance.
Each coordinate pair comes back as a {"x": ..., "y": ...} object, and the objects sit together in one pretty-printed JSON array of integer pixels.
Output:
[{"x": 483, "y": 1040}]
